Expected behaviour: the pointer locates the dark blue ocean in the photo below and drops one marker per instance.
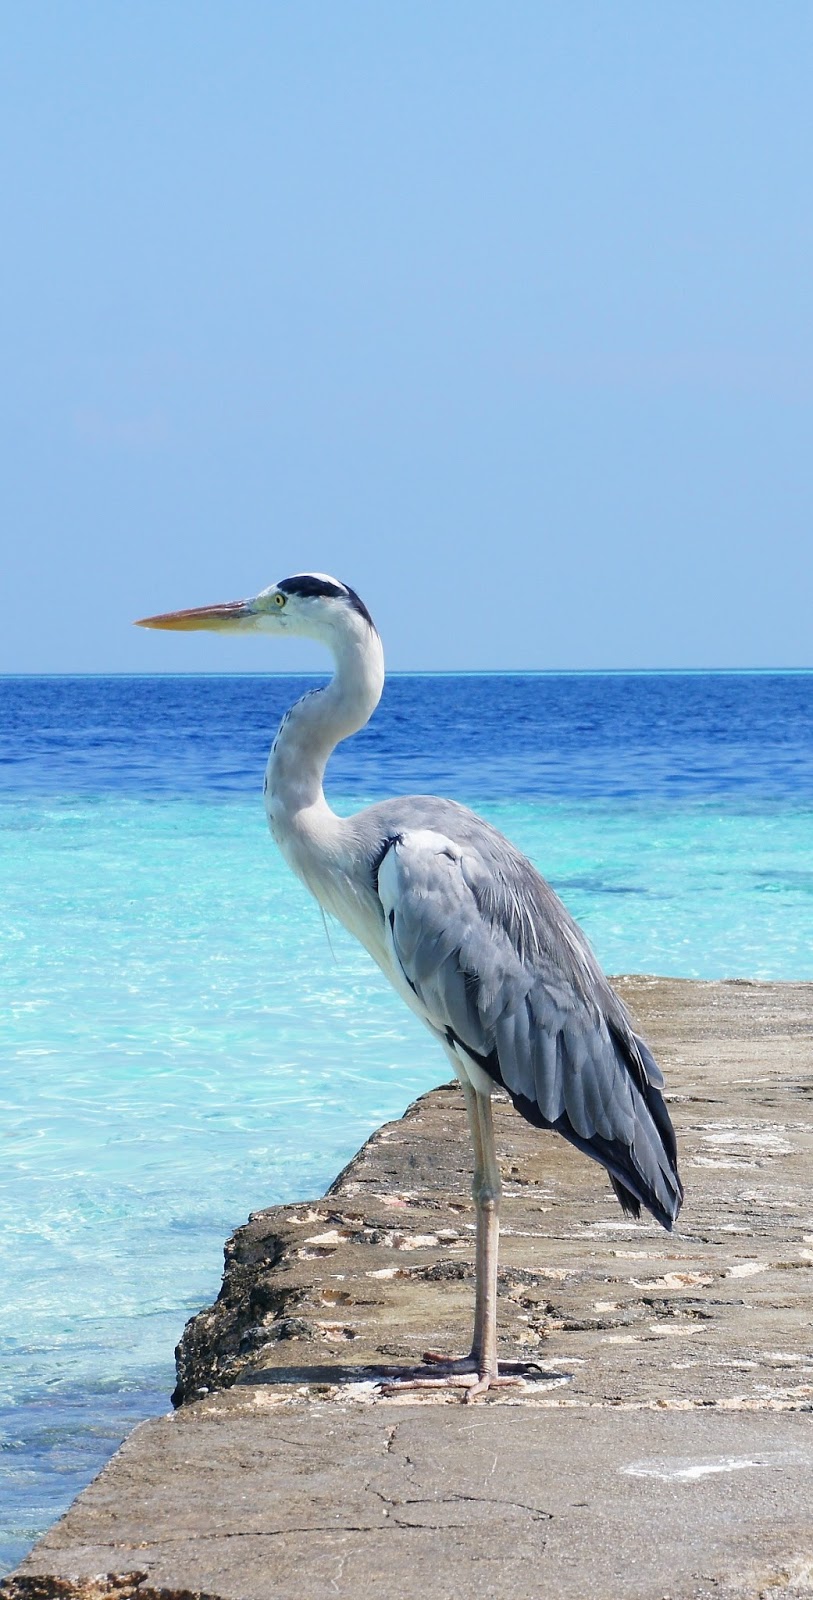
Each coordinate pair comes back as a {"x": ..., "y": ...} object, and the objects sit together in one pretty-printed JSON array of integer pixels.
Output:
[
  {"x": 641, "y": 737},
  {"x": 179, "y": 1044}
]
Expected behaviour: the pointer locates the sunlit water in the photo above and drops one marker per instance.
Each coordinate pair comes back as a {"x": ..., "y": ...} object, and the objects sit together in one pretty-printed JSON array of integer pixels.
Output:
[{"x": 181, "y": 1044}]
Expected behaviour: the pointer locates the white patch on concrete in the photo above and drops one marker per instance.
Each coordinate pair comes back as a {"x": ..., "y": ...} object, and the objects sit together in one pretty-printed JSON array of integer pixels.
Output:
[
  {"x": 617, "y": 1227},
  {"x": 739, "y": 1163},
  {"x": 675, "y": 1280},
  {"x": 639, "y": 1255},
  {"x": 413, "y": 1241},
  {"x": 765, "y": 1141},
  {"x": 670, "y": 1330},
  {"x": 785, "y": 1358},
  {"x": 684, "y": 1471}
]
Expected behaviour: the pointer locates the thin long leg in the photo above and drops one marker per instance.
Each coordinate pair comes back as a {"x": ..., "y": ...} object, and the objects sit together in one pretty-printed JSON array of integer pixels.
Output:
[
  {"x": 487, "y": 1192},
  {"x": 477, "y": 1372},
  {"x": 472, "y": 1100},
  {"x": 485, "y": 1170}
]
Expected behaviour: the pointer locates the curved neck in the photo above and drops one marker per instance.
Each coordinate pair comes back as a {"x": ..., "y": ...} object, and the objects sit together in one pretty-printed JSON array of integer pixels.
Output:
[{"x": 316, "y": 724}]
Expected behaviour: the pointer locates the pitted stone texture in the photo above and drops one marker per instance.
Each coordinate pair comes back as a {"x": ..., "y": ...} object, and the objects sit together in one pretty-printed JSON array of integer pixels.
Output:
[
  {"x": 236, "y": 1500},
  {"x": 623, "y": 1313},
  {"x": 665, "y": 1449}
]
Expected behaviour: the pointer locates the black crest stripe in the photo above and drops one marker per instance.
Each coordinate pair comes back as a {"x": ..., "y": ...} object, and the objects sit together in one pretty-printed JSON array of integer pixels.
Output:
[
  {"x": 309, "y": 587},
  {"x": 358, "y": 605}
]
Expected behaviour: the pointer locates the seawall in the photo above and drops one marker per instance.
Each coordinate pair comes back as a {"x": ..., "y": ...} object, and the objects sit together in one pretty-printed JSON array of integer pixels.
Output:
[{"x": 664, "y": 1447}]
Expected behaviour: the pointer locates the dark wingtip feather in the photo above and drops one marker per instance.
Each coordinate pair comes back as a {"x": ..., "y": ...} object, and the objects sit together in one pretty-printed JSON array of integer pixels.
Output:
[{"x": 630, "y": 1204}]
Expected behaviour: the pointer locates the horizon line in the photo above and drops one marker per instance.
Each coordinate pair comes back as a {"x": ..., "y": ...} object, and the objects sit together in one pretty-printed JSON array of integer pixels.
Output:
[{"x": 439, "y": 672}]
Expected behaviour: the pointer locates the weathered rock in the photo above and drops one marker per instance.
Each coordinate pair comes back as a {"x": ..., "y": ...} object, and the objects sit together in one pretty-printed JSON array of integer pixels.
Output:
[
  {"x": 620, "y": 1311},
  {"x": 664, "y": 1449}
]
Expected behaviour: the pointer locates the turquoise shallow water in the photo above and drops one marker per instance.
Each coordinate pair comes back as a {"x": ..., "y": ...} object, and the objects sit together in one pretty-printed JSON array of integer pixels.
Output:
[{"x": 181, "y": 1044}]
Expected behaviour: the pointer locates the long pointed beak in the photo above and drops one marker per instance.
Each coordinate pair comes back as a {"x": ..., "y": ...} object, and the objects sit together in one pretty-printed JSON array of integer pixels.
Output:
[{"x": 221, "y": 619}]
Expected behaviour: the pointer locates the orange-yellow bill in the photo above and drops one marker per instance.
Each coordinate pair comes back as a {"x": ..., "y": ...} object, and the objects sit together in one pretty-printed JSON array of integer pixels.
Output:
[{"x": 219, "y": 618}]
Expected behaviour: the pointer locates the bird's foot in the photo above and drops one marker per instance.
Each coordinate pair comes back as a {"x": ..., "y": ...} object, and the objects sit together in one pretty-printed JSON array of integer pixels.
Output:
[
  {"x": 450, "y": 1364},
  {"x": 467, "y": 1373}
]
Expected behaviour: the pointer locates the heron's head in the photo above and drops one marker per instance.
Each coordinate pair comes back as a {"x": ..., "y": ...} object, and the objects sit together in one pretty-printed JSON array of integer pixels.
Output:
[{"x": 310, "y": 604}]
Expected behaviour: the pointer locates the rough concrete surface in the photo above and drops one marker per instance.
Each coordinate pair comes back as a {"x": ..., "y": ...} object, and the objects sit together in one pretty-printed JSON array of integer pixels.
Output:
[{"x": 664, "y": 1447}]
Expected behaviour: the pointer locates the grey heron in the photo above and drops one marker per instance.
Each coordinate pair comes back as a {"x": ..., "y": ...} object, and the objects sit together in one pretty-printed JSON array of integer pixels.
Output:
[{"x": 469, "y": 934}]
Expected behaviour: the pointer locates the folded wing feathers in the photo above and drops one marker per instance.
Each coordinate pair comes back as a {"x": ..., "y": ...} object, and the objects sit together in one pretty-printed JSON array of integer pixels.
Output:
[{"x": 532, "y": 1002}]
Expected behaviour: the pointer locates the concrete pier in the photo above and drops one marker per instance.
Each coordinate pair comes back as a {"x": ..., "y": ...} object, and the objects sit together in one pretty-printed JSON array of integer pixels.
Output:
[{"x": 662, "y": 1448}]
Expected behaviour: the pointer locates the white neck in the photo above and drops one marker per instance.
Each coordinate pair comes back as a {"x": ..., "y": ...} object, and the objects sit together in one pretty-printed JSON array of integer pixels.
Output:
[{"x": 315, "y": 725}]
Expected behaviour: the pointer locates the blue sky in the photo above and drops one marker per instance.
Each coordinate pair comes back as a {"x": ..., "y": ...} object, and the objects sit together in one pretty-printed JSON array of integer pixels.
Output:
[{"x": 503, "y": 313}]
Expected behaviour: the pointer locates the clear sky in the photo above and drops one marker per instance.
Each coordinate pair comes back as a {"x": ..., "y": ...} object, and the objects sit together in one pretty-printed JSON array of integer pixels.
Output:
[{"x": 501, "y": 312}]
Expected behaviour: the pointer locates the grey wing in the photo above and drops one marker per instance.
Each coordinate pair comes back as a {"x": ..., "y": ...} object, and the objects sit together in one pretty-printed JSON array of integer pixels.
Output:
[{"x": 545, "y": 1029}]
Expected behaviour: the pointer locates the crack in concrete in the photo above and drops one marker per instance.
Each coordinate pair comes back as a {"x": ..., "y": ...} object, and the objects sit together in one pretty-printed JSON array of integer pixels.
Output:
[
  {"x": 535, "y": 1512},
  {"x": 457, "y": 1498},
  {"x": 564, "y": 1307},
  {"x": 147, "y": 1545}
]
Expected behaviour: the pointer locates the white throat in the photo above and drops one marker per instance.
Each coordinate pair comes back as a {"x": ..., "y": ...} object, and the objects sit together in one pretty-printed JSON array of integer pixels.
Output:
[{"x": 307, "y": 736}]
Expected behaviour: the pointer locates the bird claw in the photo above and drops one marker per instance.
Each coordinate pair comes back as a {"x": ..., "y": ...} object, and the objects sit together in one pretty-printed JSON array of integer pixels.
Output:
[
  {"x": 434, "y": 1358},
  {"x": 465, "y": 1373}
]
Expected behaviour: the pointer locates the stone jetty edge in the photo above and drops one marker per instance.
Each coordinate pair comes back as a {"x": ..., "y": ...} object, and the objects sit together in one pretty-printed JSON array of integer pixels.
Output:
[{"x": 663, "y": 1446}]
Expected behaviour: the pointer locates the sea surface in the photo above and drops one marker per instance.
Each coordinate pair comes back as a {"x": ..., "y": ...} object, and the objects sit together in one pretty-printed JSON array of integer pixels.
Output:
[{"x": 181, "y": 1044}]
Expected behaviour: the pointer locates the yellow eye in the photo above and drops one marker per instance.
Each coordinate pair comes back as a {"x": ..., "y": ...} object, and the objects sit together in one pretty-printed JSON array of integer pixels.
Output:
[{"x": 279, "y": 599}]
